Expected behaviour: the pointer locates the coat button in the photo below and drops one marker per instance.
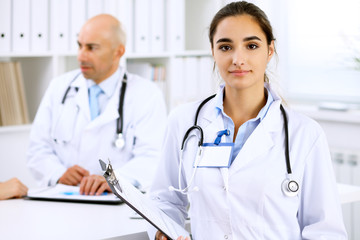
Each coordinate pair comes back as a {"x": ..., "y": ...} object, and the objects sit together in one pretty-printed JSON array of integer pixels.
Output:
[{"x": 226, "y": 236}]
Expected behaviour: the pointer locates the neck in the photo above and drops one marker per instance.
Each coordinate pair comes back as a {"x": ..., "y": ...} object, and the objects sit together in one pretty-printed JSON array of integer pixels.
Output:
[{"x": 243, "y": 105}]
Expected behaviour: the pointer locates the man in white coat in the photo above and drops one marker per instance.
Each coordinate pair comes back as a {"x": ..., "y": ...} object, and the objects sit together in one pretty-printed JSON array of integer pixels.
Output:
[{"x": 69, "y": 135}]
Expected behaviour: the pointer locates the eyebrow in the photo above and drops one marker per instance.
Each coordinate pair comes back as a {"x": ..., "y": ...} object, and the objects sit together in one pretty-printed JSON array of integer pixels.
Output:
[
  {"x": 244, "y": 40},
  {"x": 89, "y": 44}
]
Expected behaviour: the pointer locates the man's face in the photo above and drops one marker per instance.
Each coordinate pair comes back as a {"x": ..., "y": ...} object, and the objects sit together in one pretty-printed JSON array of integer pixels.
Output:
[{"x": 96, "y": 53}]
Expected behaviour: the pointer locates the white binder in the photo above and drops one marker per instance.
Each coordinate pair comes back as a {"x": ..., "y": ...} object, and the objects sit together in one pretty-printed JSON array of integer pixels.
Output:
[
  {"x": 191, "y": 79},
  {"x": 21, "y": 25},
  {"x": 111, "y": 7},
  {"x": 157, "y": 29},
  {"x": 78, "y": 18},
  {"x": 175, "y": 25},
  {"x": 176, "y": 82},
  {"x": 142, "y": 26},
  {"x": 39, "y": 25},
  {"x": 126, "y": 13},
  {"x": 94, "y": 8},
  {"x": 60, "y": 34},
  {"x": 5, "y": 26},
  {"x": 207, "y": 83}
]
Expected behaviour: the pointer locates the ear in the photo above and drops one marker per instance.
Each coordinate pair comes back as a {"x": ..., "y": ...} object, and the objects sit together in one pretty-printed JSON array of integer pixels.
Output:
[
  {"x": 271, "y": 49},
  {"x": 120, "y": 50}
]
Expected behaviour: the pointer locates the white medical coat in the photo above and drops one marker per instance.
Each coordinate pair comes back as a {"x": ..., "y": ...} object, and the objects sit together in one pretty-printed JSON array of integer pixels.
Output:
[
  {"x": 253, "y": 206},
  {"x": 63, "y": 135}
]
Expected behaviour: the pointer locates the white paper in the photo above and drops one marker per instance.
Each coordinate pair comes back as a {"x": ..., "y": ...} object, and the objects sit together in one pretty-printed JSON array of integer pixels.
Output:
[
  {"x": 69, "y": 193},
  {"x": 147, "y": 209}
]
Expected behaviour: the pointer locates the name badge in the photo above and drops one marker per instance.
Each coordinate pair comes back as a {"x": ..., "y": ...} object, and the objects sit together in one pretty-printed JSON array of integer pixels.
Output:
[{"x": 216, "y": 155}]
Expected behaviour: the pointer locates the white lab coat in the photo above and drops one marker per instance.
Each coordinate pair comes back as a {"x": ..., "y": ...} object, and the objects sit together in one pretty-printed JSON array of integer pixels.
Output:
[
  {"x": 83, "y": 142},
  {"x": 253, "y": 206}
]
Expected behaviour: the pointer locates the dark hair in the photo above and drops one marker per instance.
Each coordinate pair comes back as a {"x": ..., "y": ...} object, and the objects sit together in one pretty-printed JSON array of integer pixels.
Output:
[{"x": 241, "y": 8}]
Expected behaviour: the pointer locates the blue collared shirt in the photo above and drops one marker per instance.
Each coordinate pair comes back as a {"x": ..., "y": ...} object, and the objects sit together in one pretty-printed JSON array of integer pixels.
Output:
[
  {"x": 108, "y": 86},
  {"x": 247, "y": 128}
]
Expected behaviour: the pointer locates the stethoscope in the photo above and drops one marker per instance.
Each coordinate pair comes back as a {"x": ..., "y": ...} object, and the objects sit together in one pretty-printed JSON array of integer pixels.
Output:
[
  {"x": 289, "y": 186},
  {"x": 119, "y": 141}
]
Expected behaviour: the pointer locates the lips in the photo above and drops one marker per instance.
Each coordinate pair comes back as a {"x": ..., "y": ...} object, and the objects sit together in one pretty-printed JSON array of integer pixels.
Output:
[
  {"x": 84, "y": 67},
  {"x": 239, "y": 73}
]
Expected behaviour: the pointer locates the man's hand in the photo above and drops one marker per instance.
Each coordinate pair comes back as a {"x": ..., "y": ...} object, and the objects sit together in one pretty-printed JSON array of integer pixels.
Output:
[
  {"x": 73, "y": 175},
  {"x": 12, "y": 188},
  {"x": 94, "y": 185}
]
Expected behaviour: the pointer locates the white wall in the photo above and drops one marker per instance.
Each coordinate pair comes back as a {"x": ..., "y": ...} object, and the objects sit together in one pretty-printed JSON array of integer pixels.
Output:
[{"x": 13, "y": 147}]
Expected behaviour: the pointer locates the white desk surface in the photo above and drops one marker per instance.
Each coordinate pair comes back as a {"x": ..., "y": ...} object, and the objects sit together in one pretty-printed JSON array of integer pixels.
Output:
[
  {"x": 31, "y": 219},
  {"x": 348, "y": 193}
]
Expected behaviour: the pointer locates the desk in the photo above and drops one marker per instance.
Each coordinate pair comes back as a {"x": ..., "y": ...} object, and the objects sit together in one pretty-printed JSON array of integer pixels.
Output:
[
  {"x": 348, "y": 193},
  {"x": 29, "y": 219}
]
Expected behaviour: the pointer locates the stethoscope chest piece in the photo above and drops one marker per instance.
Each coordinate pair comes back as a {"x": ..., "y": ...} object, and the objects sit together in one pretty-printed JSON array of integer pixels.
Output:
[
  {"x": 290, "y": 187},
  {"x": 119, "y": 141}
]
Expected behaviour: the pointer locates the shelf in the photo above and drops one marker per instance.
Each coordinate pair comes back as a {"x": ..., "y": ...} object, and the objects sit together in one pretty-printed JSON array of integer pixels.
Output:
[
  {"x": 351, "y": 116},
  {"x": 15, "y": 128}
]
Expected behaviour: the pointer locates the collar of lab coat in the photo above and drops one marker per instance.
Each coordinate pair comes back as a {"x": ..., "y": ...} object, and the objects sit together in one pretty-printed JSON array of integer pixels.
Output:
[
  {"x": 82, "y": 100},
  {"x": 258, "y": 143}
]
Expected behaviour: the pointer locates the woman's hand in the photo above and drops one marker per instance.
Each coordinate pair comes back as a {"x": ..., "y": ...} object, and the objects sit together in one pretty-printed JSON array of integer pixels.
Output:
[
  {"x": 160, "y": 236},
  {"x": 12, "y": 188}
]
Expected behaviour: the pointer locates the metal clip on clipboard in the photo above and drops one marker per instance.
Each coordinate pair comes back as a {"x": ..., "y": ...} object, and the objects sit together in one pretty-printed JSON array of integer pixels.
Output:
[
  {"x": 110, "y": 176},
  {"x": 144, "y": 206}
]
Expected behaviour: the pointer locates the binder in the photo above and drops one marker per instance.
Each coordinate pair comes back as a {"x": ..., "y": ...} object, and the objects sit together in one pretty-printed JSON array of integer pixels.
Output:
[
  {"x": 176, "y": 82},
  {"x": 94, "y": 8},
  {"x": 157, "y": 28},
  {"x": 21, "y": 93},
  {"x": 13, "y": 109},
  {"x": 126, "y": 14},
  {"x": 60, "y": 34},
  {"x": 142, "y": 26},
  {"x": 175, "y": 25},
  {"x": 191, "y": 79},
  {"x": 21, "y": 25},
  {"x": 78, "y": 18},
  {"x": 110, "y": 7},
  {"x": 5, "y": 26},
  {"x": 39, "y": 25},
  {"x": 207, "y": 83}
]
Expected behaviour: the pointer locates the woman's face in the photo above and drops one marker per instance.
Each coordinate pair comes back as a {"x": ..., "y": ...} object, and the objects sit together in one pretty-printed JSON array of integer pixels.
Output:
[{"x": 241, "y": 52}]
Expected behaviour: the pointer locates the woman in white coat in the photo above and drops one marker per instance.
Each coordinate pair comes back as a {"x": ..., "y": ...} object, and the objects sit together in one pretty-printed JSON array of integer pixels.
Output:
[{"x": 238, "y": 188}]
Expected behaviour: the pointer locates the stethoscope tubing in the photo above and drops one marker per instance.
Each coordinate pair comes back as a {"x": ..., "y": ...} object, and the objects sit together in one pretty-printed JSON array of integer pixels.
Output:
[
  {"x": 201, "y": 139},
  {"x": 120, "y": 122}
]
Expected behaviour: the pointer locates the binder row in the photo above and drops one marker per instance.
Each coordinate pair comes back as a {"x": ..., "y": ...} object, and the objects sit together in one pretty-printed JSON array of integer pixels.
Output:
[
  {"x": 13, "y": 107},
  {"x": 42, "y": 26},
  {"x": 192, "y": 79}
]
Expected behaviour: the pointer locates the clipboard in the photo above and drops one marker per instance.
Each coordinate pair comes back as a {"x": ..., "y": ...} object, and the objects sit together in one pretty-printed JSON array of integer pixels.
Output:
[
  {"x": 144, "y": 206},
  {"x": 66, "y": 193}
]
